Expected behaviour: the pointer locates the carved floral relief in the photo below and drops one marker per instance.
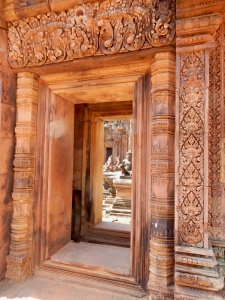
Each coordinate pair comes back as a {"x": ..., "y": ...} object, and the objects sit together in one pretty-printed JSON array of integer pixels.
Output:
[
  {"x": 92, "y": 29},
  {"x": 215, "y": 197},
  {"x": 191, "y": 144}
]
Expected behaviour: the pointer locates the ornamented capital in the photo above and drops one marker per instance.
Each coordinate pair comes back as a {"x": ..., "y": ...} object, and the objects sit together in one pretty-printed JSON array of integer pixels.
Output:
[{"x": 197, "y": 30}]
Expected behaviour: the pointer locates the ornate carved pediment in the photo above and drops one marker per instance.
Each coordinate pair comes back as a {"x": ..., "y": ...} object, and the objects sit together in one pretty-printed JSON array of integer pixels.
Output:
[{"x": 92, "y": 29}]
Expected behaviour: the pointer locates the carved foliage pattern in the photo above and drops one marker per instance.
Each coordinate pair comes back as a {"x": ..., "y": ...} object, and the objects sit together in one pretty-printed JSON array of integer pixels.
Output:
[
  {"x": 92, "y": 29},
  {"x": 215, "y": 205},
  {"x": 191, "y": 146}
]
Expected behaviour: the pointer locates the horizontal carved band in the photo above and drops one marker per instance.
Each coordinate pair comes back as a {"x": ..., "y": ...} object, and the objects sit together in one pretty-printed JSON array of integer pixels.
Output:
[
  {"x": 198, "y": 281},
  {"x": 92, "y": 29},
  {"x": 193, "y": 260},
  {"x": 198, "y": 25},
  {"x": 163, "y": 124}
]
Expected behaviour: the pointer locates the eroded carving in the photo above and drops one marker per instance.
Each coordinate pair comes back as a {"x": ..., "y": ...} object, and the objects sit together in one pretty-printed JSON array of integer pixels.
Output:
[{"x": 92, "y": 29}]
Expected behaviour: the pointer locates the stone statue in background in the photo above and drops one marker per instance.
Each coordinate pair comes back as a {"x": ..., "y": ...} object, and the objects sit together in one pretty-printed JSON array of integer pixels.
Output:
[
  {"x": 108, "y": 166},
  {"x": 127, "y": 162},
  {"x": 126, "y": 166},
  {"x": 118, "y": 163}
]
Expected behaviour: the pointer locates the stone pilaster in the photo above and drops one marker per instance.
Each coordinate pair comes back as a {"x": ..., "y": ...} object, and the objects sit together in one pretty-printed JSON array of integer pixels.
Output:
[
  {"x": 196, "y": 273},
  {"x": 162, "y": 161},
  {"x": 19, "y": 260}
]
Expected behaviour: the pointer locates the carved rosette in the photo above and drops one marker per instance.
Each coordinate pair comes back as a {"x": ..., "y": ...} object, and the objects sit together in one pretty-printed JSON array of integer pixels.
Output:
[
  {"x": 92, "y": 29},
  {"x": 19, "y": 260},
  {"x": 162, "y": 163}
]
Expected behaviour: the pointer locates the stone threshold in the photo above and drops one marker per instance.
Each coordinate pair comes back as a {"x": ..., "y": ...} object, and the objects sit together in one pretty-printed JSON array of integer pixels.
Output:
[{"x": 101, "y": 266}]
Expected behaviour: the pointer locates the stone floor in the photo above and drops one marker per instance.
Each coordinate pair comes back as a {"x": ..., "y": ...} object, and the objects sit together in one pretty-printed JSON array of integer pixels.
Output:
[
  {"x": 48, "y": 289},
  {"x": 89, "y": 255},
  {"x": 95, "y": 256}
]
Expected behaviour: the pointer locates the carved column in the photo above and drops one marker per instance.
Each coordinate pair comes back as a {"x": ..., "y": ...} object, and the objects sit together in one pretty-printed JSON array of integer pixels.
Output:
[
  {"x": 162, "y": 194},
  {"x": 19, "y": 260},
  {"x": 196, "y": 274}
]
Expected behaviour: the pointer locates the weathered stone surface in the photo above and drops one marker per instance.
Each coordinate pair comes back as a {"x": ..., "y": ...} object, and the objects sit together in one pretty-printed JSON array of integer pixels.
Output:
[
  {"x": 7, "y": 86},
  {"x": 7, "y": 147},
  {"x": 3, "y": 48}
]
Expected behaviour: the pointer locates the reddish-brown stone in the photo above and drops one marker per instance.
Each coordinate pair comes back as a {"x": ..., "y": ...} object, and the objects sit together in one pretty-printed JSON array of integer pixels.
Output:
[
  {"x": 7, "y": 120},
  {"x": 7, "y": 86},
  {"x": 3, "y": 48}
]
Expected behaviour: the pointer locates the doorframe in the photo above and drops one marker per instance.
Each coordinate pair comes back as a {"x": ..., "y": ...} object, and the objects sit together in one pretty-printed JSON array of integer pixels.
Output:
[{"x": 140, "y": 233}]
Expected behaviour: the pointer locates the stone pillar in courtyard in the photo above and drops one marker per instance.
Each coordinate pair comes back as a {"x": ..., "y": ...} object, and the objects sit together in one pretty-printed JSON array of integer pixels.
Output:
[
  {"x": 19, "y": 260},
  {"x": 196, "y": 272},
  {"x": 162, "y": 161}
]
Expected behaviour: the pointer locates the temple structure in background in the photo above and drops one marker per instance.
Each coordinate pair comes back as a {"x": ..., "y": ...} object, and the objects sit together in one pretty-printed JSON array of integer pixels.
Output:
[
  {"x": 117, "y": 139},
  {"x": 68, "y": 69}
]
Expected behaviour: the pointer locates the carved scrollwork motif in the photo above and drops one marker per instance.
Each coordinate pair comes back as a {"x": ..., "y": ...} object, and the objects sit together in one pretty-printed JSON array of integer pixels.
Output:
[
  {"x": 215, "y": 200},
  {"x": 92, "y": 29},
  {"x": 191, "y": 145}
]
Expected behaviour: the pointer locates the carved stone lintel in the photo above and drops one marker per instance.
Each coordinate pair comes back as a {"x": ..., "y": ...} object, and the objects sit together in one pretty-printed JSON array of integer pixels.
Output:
[
  {"x": 92, "y": 29},
  {"x": 19, "y": 260}
]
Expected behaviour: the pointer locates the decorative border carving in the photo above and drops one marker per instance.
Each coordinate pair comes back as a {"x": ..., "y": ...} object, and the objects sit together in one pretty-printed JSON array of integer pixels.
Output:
[
  {"x": 199, "y": 281},
  {"x": 190, "y": 4},
  {"x": 191, "y": 149},
  {"x": 215, "y": 200},
  {"x": 200, "y": 24},
  {"x": 93, "y": 29}
]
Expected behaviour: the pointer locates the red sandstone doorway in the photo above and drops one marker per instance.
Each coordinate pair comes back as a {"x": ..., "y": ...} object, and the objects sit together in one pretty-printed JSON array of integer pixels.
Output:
[{"x": 50, "y": 228}]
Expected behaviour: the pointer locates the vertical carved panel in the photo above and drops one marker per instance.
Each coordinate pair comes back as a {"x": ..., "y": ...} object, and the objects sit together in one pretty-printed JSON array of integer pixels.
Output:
[
  {"x": 216, "y": 229},
  {"x": 191, "y": 148},
  {"x": 162, "y": 164},
  {"x": 19, "y": 260}
]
